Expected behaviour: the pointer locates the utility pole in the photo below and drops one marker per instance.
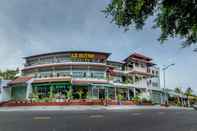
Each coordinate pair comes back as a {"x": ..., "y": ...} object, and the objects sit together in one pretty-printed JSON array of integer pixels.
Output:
[{"x": 164, "y": 82}]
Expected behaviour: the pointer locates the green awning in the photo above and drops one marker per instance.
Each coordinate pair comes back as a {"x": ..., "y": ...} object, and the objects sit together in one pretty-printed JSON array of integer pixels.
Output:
[
  {"x": 103, "y": 85},
  {"x": 51, "y": 84}
]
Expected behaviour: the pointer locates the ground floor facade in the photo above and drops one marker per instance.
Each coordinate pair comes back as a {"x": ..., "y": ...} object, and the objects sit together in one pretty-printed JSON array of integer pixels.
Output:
[{"x": 59, "y": 91}]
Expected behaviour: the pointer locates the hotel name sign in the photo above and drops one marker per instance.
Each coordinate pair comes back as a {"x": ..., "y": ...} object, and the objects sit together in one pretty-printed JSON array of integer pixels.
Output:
[
  {"x": 87, "y": 56},
  {"x": 83, "y": 55}
]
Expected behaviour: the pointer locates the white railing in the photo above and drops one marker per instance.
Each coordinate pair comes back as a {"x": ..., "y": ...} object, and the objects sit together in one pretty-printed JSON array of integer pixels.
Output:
[{"x": 65, "y": 63}]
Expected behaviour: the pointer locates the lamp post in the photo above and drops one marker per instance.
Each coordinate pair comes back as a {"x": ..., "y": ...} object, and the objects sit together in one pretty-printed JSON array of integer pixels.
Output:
[{"x": 164, "y": 81}]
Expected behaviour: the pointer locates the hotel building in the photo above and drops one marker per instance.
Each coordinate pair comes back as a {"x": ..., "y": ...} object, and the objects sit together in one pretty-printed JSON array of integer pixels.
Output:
[{"x": 86, "y": 75}]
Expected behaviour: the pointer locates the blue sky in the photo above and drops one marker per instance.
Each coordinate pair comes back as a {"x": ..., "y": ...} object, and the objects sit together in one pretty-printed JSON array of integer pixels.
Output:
[{"x": 30, "y": 27}]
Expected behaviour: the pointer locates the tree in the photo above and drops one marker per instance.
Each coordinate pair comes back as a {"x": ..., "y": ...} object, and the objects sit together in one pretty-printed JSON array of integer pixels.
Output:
[
  {"x": 188, "y": 93},
  {"x": 175, "y": 18},
  {"x": 178, "y": 91},
  {"x": 8, "y": 74}
]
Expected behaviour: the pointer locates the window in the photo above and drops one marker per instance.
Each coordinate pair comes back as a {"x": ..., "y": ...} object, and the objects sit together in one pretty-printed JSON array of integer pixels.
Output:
[
  {"x": 117, "y": 79},
  {"x": 97, "y": 74},
  {"x": 157, "y": 73},
  {"x": 43, "y": 91},
  {"x": 60, "y": 59},
  {"x": 62, "y": 73},
  {"x": 84, "y": 74},
  {"x": 46, "y": 74},
  {"x": 142, "y": 65},
  {"x": 46, "y": 60},
  {"x": 79, "y": 74},
  {"x": 137, "y": 64}
]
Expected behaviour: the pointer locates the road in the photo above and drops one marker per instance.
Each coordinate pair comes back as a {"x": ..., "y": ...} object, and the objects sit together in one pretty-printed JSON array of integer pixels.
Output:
[{"x": 102, "y": 120}]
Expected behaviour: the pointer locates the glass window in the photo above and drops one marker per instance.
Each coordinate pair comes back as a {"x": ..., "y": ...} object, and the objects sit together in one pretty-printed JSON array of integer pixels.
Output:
[
  {"x": 62, "y": 73},
  {"x": 97, "y": 74},
  {"x": 142, "y": 65},
  {"x": 79, "y": 74},
  {"x": 137, "y": 64},
  {"x": 43, "y": 91}
]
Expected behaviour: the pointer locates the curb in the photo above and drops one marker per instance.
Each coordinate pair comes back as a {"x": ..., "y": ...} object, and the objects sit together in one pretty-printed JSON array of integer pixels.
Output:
[{"x": 84, "y": 108}]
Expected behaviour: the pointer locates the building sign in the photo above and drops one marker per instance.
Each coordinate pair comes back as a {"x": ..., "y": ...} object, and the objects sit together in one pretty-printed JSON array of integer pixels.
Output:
[
  {"x": 87, "y": 56},
  {"x": 83, "y": 55}
]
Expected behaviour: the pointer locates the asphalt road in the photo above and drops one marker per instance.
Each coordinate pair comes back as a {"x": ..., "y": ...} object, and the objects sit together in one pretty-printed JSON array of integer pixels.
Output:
[{"x": 102, "y": 120}]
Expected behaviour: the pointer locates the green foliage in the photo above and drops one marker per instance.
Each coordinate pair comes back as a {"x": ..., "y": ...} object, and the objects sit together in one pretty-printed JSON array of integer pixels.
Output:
[
  {"x": 189, "y": 91},
  {"x": 178, "y": 90},
  {"x": 8, "y": 74},
  {"x": 175, "y": 18},
  {"x": 80, "y": 93},
  {"x": 136, "y": 98},
  {"x": 69, "y": 94},
  {"x": 120, "y": 97},
  {"x": 144, "y": 100},
  {"x": 178, "y": 103}
]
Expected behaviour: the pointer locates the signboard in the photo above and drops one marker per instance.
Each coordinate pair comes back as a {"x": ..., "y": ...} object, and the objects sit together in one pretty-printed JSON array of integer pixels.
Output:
[
  {"x": 83, "y": 55},
  {"x": 88, "y": 56}
]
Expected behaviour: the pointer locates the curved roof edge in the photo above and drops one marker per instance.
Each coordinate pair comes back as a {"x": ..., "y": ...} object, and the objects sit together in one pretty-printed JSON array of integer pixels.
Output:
[{"x": 62, "y": 52}]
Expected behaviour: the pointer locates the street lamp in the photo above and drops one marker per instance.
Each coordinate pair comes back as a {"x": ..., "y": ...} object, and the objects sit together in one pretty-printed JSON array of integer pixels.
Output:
[{"x": 164, "y": 80}]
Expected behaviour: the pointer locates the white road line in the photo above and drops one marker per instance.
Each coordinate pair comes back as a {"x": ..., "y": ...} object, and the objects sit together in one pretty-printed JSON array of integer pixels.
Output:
[
  {"x": 42, "y": 118},
  {"x": 96, "y": 116},
  {"x": 136, "y": 114},
  {"x": 161, "y": 113}
]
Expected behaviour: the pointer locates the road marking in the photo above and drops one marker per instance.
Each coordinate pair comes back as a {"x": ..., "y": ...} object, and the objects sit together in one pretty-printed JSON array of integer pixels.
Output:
[
  {"x": 42, "y": 118},
  {"x": 136, "y": 114},
  {"x": 160, "y": 113},
  {"x": 96, "y": 116}
]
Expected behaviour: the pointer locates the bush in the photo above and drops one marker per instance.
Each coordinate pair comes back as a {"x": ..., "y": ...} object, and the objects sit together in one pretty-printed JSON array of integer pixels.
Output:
[
  {"x": 146, "y": 101},
  {"x": 136, "y": 98}
]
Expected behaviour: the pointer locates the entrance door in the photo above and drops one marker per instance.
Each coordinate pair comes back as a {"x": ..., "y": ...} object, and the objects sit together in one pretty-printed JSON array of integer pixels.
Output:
[
  {"x": 19, "y": 92},
  {"x": 102, "y": 93}
]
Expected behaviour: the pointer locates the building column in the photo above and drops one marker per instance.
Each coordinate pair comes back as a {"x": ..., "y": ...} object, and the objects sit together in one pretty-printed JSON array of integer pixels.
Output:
[
  {"x": 71, "y": 71},
  {"x": 107, "y": 93},
  {"x": 51, "y": 91},
  {"x": 161, "y": 98},
  {"x": 28, "y": 90},
  {"x": 134, "y": 92},
  {"x": 115, "y": 93},
  {"x": 92, "y": 95},
  {"x": 128, "y": 94},
  {"x": 88, "y": 74},
  {"x": 98, "y": 93}
]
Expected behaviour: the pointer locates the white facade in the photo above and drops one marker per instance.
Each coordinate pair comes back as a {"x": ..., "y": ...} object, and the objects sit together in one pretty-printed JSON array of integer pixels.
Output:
[{"x": 5, "y": 92}]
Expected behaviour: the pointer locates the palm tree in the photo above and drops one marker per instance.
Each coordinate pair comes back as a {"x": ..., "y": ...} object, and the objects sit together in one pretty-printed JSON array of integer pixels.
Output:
[
  {"x": 188, "y": 93},
  {"x": 178, "y": 91}
]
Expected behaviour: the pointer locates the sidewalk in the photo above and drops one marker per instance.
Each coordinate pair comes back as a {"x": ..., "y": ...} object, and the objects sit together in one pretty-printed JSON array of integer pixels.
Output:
[{"x": 83, "y": 108}]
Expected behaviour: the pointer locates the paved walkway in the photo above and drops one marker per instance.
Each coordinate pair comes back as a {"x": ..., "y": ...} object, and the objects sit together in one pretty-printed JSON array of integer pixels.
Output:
[{"x": 82, "y": 108}]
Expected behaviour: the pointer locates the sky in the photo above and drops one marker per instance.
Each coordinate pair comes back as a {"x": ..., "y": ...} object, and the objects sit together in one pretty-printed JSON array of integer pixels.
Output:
[{"x": 29, "y": 27}]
